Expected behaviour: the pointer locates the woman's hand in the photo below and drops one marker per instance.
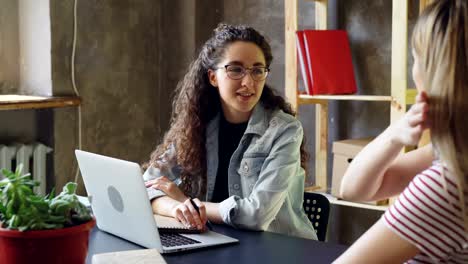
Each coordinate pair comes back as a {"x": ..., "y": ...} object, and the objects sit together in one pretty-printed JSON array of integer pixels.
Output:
[
  {"x": 189, "y": 216},
  {"x": 168, "y": 187},
  {"x": 408, "y": 130}
]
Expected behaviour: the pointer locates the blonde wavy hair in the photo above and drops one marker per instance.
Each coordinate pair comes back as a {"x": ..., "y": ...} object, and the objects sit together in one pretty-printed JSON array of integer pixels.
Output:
[{"x": 440, "y": 40}]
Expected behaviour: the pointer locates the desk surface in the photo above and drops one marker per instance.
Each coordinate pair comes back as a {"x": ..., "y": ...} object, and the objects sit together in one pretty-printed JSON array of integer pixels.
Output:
[{"x": 253, "y": 247}]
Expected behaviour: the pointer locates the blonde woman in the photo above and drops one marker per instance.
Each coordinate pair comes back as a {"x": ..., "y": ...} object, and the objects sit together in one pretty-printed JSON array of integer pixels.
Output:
[{"x": 429, "y": 222}]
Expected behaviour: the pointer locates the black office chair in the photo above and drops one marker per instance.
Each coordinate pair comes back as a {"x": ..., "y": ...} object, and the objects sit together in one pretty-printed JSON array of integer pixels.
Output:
[{"x": 317, "y": 209}]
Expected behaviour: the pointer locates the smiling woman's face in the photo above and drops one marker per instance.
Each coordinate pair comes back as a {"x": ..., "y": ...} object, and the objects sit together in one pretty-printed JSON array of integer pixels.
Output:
[{"x": 239, "y": 97}]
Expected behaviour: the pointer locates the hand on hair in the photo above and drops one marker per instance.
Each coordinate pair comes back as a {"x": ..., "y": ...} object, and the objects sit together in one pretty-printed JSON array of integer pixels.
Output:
[
  {"x": 168, "y": 187},
  {"x": 187, "y": 214},
  {"x": 408, "y": 130}
]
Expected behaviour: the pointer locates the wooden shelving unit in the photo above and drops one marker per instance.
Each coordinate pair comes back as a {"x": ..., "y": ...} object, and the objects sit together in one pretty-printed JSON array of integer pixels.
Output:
[
  {"x": 317, "y": 99},
  {"x": 398, "y": 99},
  {"x": 17, "y": 102},
  {"x": 334, "y": 200}
]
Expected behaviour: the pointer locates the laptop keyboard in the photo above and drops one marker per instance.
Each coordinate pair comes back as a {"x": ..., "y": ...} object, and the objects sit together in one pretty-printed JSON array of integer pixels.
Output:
[{"x": 173, "y": 240}]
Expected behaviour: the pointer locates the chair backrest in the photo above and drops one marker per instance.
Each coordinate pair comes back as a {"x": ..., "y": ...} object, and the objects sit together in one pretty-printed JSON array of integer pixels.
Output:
[{"x": 317, "y": 209}]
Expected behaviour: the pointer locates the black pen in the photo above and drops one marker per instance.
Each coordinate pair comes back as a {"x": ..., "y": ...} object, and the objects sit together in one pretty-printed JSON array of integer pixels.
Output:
[{"x": 208, "y": 224}]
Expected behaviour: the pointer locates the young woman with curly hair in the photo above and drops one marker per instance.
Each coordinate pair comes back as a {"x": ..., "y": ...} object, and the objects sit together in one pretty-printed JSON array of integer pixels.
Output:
[{"x": 232, "y": 143}]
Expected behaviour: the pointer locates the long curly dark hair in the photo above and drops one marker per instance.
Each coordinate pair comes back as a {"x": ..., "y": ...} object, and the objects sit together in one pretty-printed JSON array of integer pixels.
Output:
[{"x": 197, "y": 102}]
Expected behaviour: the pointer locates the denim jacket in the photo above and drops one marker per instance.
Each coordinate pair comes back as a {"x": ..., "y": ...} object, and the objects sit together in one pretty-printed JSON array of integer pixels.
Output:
[{"x": 266, "y": 181}]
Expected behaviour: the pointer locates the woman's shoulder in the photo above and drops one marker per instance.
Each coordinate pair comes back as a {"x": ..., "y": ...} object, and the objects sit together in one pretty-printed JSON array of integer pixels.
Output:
[
  {"x": 429, "y": 215},
  {"x": 434, "y": 178},
  {"x": 437, "y": 183},
  {"x": 438, "y": 176},
  {"x": 279, "y": 118},
  {"x": 283, "y": 125}
]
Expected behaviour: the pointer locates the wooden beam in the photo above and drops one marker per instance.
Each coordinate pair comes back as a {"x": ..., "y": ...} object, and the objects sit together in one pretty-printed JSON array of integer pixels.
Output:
[
  {"x": 411, "y": 96},
  {"x": 321, "y": 111},
  {"x": 321, "y": 149},
  {"x": 425, "y": 138},
  {"x": 399, "y": 79},
  {"x": 290, "y": 16},
  {"x": 318, "y": 99},
  {"x": 321, "y": 14}
]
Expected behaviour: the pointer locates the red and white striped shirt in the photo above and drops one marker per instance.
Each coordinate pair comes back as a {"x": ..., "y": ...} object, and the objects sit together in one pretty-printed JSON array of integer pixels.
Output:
[{"x": 428, "y": 215}]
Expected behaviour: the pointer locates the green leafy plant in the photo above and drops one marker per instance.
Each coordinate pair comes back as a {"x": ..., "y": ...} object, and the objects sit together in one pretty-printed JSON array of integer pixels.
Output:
[{"x": 22, "y": 209}]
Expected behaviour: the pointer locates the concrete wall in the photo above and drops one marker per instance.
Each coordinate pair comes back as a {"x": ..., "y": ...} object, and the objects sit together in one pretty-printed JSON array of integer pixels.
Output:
[
  {"x": 130, "y": 56},
  {"x": 17, "y": 126},
  {"x": 176, "y": 48},
  {"x": 118, "y": 78}
]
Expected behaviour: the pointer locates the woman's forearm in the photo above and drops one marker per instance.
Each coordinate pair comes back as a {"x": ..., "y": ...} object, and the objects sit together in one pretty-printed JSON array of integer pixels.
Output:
[
  {"x": 379, "y": 171},
  {"x": 212, "y": 211},
  {"x": 366, "y": 172},
  {"x": 164, "y": 205}
]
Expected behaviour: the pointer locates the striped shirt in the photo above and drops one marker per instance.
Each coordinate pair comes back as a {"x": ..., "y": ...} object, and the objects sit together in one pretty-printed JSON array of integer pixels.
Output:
[{"x": 429, "y": 216}]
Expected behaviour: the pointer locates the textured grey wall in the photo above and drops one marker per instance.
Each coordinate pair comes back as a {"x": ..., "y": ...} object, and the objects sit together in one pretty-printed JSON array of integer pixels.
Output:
[
  {"x": 17, "y": 126},
  {"x": 117, "y": 75},
  {"x": 129, "y": 59},
  {"x": 130, "y": 56},
  {"x": 176, "y": 47},
  {"x": 185, "y": 26}
]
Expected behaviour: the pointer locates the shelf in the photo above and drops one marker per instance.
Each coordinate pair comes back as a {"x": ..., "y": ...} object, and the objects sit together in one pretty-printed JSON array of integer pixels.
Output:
[
  {"x": 314, "y": 99},
  {"x": 382, "y": 208},
  {"x": 321, "y": 99},
  {"x": 18, "y": 102},
  {"x": 333, "y": 200},
  {"x": 400, "y": 96}
]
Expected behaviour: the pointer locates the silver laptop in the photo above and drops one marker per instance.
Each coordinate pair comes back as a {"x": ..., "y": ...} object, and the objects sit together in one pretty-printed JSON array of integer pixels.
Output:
[{"x": 121, "y": 206}]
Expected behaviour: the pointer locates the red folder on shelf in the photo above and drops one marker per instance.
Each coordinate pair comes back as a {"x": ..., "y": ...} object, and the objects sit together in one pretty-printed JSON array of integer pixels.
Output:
[
  {"x": 328, "y": 55},
  {"x": 303, "y": 64}
]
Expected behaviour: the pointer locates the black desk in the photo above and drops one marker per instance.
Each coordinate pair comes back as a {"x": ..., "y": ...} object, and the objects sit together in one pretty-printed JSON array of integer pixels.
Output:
[{"x": 253, "y": 247}]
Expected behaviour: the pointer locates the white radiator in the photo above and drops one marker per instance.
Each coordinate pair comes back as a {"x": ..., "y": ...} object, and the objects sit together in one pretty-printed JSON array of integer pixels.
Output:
[{"x": 29, "y": 155}]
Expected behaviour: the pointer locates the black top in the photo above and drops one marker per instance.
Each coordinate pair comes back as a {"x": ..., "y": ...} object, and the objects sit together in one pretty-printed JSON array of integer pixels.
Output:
[{"x": 228, "y": 140}]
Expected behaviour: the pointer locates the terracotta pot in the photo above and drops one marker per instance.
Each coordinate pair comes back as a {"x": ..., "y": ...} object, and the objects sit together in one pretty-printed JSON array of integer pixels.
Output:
[{"x": 66, "y": 245}]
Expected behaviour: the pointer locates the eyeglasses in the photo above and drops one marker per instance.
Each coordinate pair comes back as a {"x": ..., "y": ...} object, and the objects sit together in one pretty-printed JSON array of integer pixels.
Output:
[{"x": 237, "y": 72}]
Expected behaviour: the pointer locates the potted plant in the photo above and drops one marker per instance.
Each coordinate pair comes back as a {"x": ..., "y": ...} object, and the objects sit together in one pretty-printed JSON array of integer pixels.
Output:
[{"x": 49, "y": 229}]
